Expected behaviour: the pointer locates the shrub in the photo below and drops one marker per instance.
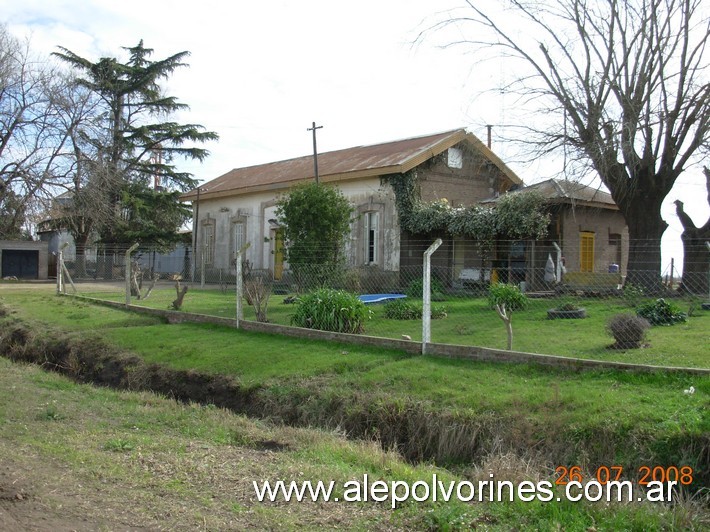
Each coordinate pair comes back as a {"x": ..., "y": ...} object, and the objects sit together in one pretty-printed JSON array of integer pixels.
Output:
[
  {"x": 331, "y": 310},
  {"x": 438, "y": 312},
  {"x": 508, "y": 295},
  {"x": 633, "y": 295},
  {"x": 628, "y": 330},
  {"x": 401, "y": 309},
  {"x": 416, "y": 288},
  {"x": 505, "y": 298},
  {"x": 661, "y": 312}
]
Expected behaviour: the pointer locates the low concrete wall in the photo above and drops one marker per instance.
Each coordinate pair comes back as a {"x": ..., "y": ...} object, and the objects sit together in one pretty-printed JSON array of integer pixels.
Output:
[{"x": 464, "y": 352}]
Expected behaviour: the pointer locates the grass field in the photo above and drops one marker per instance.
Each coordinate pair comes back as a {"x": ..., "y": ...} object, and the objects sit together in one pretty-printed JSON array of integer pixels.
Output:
[
  {"x": 470, "y": 321},
  {"x": 97, "y": 459},
  {"x": 527, "y": 419}
]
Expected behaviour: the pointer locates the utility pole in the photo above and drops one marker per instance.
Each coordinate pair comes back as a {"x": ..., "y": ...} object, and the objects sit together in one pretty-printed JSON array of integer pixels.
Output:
[{"x": 315, "y": 149}]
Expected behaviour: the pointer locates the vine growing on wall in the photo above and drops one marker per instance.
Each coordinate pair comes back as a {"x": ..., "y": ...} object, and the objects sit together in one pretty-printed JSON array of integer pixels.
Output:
[{"x": 515, "y": 215}]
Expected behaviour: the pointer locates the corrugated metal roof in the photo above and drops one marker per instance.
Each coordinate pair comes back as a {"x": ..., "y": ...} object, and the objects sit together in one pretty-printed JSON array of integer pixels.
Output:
[{"x": 351, "y": 163}]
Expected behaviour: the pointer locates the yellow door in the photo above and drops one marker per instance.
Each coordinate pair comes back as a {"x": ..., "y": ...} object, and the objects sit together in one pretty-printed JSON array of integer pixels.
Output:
[
  {"x": 278, "y": 254},
  {"x": 586, "y": 251}
]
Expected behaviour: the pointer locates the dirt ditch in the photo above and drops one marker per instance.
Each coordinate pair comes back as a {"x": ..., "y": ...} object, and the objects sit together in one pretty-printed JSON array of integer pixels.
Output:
[{"x": 417, "y": 430}]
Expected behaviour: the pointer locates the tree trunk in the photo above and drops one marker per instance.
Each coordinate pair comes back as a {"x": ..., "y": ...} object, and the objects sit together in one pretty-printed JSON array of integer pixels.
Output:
[
  {"x": 646, "y": 227},
  {"x": 696, "y": 256},
  {"x": 506, "y": 316},
  {"x": 509, "y": 330},
  {"x": 696, "y": 261},
  {"x": 180, "y": 291},
  {"x": 80, "y": 240}
]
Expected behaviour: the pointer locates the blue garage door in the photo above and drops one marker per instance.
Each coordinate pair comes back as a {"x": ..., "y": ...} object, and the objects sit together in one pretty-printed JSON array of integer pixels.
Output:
[{"x": 20, "y": 263}]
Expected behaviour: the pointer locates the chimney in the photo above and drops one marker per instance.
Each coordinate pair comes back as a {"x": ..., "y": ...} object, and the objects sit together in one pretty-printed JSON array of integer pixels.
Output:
[{"x": 489, "y": 128}]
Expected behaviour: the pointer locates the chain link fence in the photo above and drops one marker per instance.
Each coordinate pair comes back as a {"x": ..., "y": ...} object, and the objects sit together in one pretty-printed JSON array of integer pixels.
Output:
[{"x": 567, "y": 301}]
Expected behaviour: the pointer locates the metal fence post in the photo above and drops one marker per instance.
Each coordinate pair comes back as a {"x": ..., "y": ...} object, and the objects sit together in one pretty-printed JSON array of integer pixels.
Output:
[
  {"x": 426, "y": 295},
  {"x": 128, "y": 272}
]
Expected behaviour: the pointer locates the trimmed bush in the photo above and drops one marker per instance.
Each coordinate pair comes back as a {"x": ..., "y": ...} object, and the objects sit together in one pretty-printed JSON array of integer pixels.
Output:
[
  {"x": 628, "y": 330},
  {"x": 661, "y": 312},
  {"x": 401, "y": 309},
  {"x": 331, "y": 310}
]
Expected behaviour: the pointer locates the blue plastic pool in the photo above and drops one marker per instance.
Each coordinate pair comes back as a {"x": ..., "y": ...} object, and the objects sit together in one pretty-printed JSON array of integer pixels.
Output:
[{"x": 379, "y": 298}]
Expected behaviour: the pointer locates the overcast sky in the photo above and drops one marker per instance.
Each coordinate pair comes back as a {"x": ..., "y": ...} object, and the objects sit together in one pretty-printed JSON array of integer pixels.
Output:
[{"x": 261, "y": 72}]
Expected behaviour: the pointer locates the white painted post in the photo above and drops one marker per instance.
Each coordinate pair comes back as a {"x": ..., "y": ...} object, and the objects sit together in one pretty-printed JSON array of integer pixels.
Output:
[
  {"x": 239, "y": 282},
  {"x": 60, "y": 268},
  {"x": 128, "y": 272},
  {"x": 58, "y": 254},
  {"x": 426, "y": 295}
]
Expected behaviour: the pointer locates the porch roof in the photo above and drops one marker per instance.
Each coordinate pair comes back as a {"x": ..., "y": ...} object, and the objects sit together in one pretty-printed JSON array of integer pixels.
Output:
[{"x": 570, "y": 192}]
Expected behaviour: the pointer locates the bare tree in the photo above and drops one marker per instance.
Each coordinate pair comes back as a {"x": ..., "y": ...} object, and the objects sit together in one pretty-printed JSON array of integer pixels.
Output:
[
  {"x": 626, "y": 85},
  {"x": 34, "y": 142}
]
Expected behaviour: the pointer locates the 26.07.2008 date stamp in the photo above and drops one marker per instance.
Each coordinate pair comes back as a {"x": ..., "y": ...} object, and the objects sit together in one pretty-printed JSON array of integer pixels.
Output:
[{"x": 681, "y": 475}]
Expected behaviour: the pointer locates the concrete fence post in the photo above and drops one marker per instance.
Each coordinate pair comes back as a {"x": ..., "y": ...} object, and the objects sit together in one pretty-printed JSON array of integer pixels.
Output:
[
  {"x": 58, "y": 254},
  {"x": 60, "y": 268},
  {"x": 128, "y": 272},
  {"x": 202, "y": 268},
  {"x": 426, "y": 295}
]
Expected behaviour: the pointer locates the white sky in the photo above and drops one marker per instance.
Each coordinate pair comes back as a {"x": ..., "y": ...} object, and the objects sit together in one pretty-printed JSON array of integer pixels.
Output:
[{"x": 261, "y": 72}]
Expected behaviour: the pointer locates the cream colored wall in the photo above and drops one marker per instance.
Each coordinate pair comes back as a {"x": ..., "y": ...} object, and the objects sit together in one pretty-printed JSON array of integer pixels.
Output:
[
  {"x": 601, "y": 222},
  {"x": 258, "y": 208}
]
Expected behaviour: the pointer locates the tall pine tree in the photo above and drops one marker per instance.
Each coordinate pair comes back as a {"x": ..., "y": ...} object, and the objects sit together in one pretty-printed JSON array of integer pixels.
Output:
[{"x": 128, "y": 154}]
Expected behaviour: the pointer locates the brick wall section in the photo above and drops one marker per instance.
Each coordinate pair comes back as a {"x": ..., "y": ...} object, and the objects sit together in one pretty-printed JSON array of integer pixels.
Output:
[{"x": 463, "y": 352}]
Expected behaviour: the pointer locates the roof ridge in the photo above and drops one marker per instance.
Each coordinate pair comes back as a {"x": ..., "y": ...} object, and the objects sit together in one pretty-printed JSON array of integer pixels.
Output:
[
  {"x": 320, "y": 154},
  {"x": 559, "y": 187}
]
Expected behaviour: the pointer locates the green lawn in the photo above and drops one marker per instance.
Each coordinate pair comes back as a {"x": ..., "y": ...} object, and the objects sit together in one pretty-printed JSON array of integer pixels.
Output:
[
  {"x": 262, "y": 360},
  {"x": 471, "y": 322},
  {"x": 93, "y": 458}
]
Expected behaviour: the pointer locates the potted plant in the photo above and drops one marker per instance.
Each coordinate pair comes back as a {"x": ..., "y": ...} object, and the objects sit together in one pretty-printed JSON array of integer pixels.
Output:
[{"x": 567, "y": 311}]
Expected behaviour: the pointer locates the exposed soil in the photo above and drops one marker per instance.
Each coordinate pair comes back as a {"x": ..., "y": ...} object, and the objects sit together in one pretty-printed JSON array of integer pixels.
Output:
[{"x": 48, "y": 499}]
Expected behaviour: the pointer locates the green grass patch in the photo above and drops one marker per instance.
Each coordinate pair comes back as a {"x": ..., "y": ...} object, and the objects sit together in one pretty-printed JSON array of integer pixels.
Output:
[{"x": 471, "y": 321}]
